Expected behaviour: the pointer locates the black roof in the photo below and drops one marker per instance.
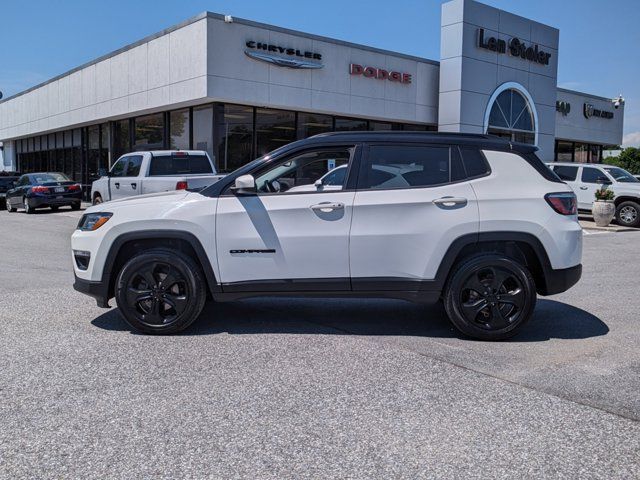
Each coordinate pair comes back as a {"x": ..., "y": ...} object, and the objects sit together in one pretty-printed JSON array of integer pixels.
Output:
[{"x": 471, "y": 139}]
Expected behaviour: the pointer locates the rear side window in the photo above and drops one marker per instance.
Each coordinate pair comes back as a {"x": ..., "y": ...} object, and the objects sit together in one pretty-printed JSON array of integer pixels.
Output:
[
  {"x": 474, "y": 162},
  {"x": 566, "y": 173},
  {"x": 179, "y": 165},
  {"x": 591, "y": 175},
  {"x": 405, "y": 166}
]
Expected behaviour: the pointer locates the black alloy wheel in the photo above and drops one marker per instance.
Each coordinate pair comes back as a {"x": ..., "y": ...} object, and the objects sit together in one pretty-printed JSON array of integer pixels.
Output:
[
  {"x": 160, "y": 291},
  {"x": 490, "y": 297}
]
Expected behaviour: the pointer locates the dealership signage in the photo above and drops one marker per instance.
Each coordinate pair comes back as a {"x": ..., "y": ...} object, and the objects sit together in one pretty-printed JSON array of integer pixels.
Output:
[
  {"x": 379, "y": 73},
  {"x": 563, "y": 107},
  {"x": 590, "y": 111},
  {"x": 515, "y": 47},
  {"x": 283, "y": 56}
]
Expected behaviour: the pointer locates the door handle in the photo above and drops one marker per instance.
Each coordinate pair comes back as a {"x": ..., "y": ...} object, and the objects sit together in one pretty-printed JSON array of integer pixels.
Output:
[
  {"x": 327, "y": 206},
  {"x": 134, "y": 185},
  {"x": 117, "y": 184},
  {"x": 450, "y": 201},
  {"x": 584, "y": 188}
]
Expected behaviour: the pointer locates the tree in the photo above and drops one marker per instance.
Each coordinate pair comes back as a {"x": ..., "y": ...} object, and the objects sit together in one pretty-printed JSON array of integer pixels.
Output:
[{"x": 629, "y": 159}]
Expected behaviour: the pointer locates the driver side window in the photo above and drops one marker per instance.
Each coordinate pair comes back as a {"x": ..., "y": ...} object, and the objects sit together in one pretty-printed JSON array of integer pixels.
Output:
[
  {"x": 315, "y": 171},
  {"x": 118, "y": 168}
]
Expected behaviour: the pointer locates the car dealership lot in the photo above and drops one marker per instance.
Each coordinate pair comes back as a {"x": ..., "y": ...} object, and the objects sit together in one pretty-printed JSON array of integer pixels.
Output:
[{"x": 313, "y": 388}]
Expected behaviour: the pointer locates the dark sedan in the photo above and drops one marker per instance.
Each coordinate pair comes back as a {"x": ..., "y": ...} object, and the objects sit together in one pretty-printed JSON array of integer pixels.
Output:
[
  {"x": 41, "y": 190},
  {"x": 6, "y": 183}
]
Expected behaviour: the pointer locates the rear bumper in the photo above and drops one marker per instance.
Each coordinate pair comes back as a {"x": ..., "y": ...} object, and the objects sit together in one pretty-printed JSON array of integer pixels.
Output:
[
  {"x": 560, "y": 280},
  {"x": 36, "y": 202},
  {"x": 97, "y": 290}
]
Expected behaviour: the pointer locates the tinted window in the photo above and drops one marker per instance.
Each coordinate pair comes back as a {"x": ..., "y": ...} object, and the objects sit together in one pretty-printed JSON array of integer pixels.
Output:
[
  {"x": 24, "y": 180},
  {"x": 133, "y": 165},
  {"x": 119, "y": 167},
  {"x": 335, "y": 177},
  {"x": 49, "y": 177},
  {"x": 591, "y": 175},
  {"x": 621, "y": 175},
  {"x": 474, "y": 162},
  {"x": 405, "y": 166},
  {"x": 566, "y": 173},
  {"x": 299, "y": 173},
  {"x": 179, "y": 165}
]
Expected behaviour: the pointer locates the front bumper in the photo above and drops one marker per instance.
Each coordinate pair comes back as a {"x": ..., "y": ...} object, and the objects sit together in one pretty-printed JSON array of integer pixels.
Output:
[
  {"x": 97, "y": 290},
  {"x": 561, "y": 280}
]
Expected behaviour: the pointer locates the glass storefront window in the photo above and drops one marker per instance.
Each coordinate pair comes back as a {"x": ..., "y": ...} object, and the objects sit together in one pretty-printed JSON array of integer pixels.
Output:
[
  {"x": 310, "y": 124},
  {"x": 149, "y": 132},
  {"x": 564, "y": 151},
  {"x": 234, "y": 136},
  {"x": 120, "y": 139},
  {"x": 581, "y": 153},
  {"x": 179, "y": 129},
  {"x": 274, "y": 129},
  {"x": 344, "y": 124},
  {"x": 203, "y": 130}
]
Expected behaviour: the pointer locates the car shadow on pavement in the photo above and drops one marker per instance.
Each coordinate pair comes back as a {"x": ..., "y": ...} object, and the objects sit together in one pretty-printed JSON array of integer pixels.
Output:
[{"x": 551, "y": 319}]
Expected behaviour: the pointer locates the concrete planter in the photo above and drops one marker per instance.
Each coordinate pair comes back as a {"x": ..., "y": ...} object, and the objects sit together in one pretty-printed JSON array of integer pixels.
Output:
[{"x": 603, "y": 212}]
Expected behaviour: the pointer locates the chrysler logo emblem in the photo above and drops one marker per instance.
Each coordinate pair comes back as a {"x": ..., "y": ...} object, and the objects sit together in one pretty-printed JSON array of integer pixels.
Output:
[
  {"x": 282, "y": 56},
  {"x": 280, "y": 61}
]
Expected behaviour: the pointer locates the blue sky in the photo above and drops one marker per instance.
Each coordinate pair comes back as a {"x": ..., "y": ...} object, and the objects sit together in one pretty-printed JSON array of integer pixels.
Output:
[{"x": 599, "y": 40}]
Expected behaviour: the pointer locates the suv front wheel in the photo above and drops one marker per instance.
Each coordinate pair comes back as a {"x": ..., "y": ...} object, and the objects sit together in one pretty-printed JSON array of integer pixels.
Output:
[
  {"x": 628, "y": 214},
  {"x": 490, "y": 297},
  {"x": 160, "y": 291}
]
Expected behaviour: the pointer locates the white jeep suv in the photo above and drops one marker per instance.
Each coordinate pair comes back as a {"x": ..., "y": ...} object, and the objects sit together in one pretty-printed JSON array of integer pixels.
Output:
[
  {"x": 477, "y": 222},
  {"x": 586, "y": 178}
]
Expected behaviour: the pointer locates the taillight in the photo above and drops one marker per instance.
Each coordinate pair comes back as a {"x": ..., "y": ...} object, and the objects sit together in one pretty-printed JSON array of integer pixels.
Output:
[
  {"x": 74, "y": 188},
  {"x": 565, "y": 203},
  {"x": 39, "y": 189},
  {"x": 182, "y": 186}
]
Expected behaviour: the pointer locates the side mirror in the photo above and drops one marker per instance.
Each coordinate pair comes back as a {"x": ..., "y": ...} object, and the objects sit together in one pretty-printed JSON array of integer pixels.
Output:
[
  {"x": 245, "y": 185},
  {"x": 318, "y": 184},
  {"x": 14, "y": 184},
  {"x": 603, "y": 181},
  {"x": 102, "y": 172}
]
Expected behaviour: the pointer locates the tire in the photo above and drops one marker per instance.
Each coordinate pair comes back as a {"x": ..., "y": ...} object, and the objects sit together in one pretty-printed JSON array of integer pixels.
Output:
[
  {"x": 11, "y": 209},
  {"x": 54, "y": 208},
  {"x": 490, "y": 297},
  {"x": 97, "y": 200},
  {"x": 151, "y": 307},
  {"x": 28, "y": 209},
  {"x": 628, "y": 214}
]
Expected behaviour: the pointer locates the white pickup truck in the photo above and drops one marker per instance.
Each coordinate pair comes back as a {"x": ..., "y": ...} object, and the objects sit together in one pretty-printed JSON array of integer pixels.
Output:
[{"x": 138, "y": 173}]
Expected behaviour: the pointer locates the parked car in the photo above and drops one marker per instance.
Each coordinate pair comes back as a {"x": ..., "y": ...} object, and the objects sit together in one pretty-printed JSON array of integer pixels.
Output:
[
  {"x": 6, "y": 183},
  {"x": 151, "y": 172},
  {"x": 44, "y": 189},
  {"x": 585, "y": 179},
  {"x": 455, "y": 232}
]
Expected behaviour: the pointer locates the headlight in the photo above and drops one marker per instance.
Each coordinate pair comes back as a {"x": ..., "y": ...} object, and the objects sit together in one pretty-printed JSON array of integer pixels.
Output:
[{"x": 93, "y": 221}]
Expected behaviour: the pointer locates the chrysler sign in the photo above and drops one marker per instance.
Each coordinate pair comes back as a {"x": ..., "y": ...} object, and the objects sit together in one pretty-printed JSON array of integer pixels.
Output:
[{"x": 282, "y": 56}]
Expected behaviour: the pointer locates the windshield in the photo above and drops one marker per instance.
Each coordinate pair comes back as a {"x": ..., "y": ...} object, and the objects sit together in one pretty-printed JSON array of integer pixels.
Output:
[
  {"x": 50, "y": 177},
  {"x": 621, "y": 175}
]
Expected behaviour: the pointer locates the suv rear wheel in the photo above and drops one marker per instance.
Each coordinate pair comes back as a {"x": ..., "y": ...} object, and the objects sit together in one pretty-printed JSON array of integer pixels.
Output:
[
  {"x": 160, "y": 291},
  {"x": 490, "y": 297},
  {"x": 628, "y": 214}
]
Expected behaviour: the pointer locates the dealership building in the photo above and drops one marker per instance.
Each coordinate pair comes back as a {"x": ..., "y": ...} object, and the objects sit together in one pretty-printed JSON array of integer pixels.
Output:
[{"x": 239, "y": 89}]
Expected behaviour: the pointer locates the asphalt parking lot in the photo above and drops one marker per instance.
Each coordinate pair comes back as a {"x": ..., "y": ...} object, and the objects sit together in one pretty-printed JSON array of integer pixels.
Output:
[{"x": 288, "y": 388}]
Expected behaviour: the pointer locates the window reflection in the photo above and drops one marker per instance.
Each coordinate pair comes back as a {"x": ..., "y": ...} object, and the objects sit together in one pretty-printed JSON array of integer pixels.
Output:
[
  {"x": 203, "y": 130},
  {"x": 179, "y": 129},
  {"x": 274, "y": 129},
  {"x": 234, "y": 131},
  {"x": 149, "y": 132},
  {"x": 310, "y": 124}
]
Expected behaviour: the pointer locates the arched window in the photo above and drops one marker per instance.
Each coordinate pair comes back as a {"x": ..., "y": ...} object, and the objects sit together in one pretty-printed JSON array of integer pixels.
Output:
[{"x": 511, "y": 117}]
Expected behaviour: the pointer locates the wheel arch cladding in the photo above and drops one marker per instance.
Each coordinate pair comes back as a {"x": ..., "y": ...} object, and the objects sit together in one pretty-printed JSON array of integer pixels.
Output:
[
  {"x": 522, "y": 247},
  {"x": 129, "y": 244}
]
